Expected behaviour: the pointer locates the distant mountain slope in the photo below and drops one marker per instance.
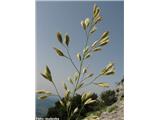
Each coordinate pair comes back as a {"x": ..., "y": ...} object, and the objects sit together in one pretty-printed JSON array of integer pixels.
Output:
[{"x": 43, "y": 105}]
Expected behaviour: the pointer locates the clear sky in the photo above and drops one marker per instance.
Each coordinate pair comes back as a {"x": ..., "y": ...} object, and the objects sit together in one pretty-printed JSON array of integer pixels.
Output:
[{"x": 65, "y": 17}]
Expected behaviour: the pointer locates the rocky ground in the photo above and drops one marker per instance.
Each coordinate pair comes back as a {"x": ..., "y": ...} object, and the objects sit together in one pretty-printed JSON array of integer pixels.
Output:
[
  {"x": 117, "y": 114},
  {"x": 115, "y": 111}
]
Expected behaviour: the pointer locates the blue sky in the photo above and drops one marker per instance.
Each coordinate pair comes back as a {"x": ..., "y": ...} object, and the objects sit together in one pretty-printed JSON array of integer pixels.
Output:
[{"x": 65, "y": 17}]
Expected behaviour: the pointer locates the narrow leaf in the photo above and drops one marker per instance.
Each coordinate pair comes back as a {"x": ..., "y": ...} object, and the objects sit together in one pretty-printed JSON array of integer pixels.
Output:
[
  {"x": 109, "y": 73},
  {"x": 43, "y": 97},
  {"x": 79, "y": 56},
  {"x": 93, "y": 30},
  {"x": 105, "y": 34},
  {"x": 87, "y": 55},
  {"x": 90, "y": 75},
  {"x": 59, "y": 52},
  {"x": 59, "y": 37},
  {"x": 62, "y": 103},
  {"x": 75, "y": 110},
  {"x": 104, "y": 43},
  {"x": 104, "y": 39},
  {"x": 83, "y": 98},
  {"x": 47, "y": 74},
  {"x": 67, "y": 39},
  {"x": 108, "y": 70},
  {"x": 98, "y": 19},
  {"x": 40, "y": 91},
  {"x": 43, "y": 92},
  {"x": 68, "y": 104},
  {"x": 85, "y": 50},
  {"x": 102, "y": 84},
  {"x": 97, "y": 12},
  {"x": 84, "y": 70},
  {"x": 87, "y": 21},
  {"x": 83, "y": 25},
  {"x": 88, "y": 95},
  {"x": 97, "y": 49},
  {"x": 47, "y": 70},
  {"x": 89, "y": 101},
  {"x": 48, "y": 93},
  {"x": 67, "y": 93},
  {"x": 94, "y": 9},
  {"x": 65, "y": 86},
  {"x": 70, "y": 80}
]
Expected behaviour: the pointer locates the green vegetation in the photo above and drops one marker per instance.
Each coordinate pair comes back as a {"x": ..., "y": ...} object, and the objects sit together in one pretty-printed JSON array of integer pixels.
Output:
[
  {"x": 61, "y": 113},
  {"x": 74, "y": 106},
  {"x": 108, "y": 97}
]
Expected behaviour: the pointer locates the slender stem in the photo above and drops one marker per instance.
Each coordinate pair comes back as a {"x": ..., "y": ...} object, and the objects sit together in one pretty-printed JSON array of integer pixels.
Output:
[
  {"x": 83, "y": 78},
  {"x": 81, "y": 64},
  {"x": 69, "y": 57},
  {"x": 92, "y": 81},
  {"x": 57, "y": 91},
  {"x": 87, "y": 35},
  {"x": 68, "y": 113},
  {"x": 80, "y": 69},
  {"x": 80, "y": 112}
]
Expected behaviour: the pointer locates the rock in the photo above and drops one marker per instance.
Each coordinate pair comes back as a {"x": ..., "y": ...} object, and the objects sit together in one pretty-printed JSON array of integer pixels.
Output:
[{"x": 118, "y": 113}]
